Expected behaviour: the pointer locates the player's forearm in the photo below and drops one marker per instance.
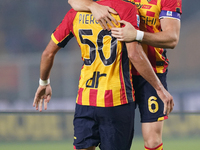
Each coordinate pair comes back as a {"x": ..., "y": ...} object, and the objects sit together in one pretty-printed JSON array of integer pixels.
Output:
[
  {"x": 81, "y": 5},
  {"x": 47, "y": 60},
  {"x": 46, "y": 65},
  {"x": 165, "y": 39},
  {"x": 140, "y": 61}
]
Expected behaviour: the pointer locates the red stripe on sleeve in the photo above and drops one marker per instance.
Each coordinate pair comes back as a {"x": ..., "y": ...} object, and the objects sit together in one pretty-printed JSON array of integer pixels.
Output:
[
  {"x": 108, "y": 98},
  {"x": 80, "y": 91},
  {"x": 137, "y": 0},
  {"x": 93, "y": 97}
]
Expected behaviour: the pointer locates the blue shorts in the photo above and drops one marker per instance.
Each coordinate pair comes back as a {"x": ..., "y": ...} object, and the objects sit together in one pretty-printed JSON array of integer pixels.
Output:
[
  {"x": 150, "y": 105},
  {"x": 111, "y": 128}
]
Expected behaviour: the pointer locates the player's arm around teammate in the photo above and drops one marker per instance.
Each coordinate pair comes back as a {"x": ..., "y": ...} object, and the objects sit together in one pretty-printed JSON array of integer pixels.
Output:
[
  {"x": 140, "y": 61},
  {"x": 168, "y": 38}
]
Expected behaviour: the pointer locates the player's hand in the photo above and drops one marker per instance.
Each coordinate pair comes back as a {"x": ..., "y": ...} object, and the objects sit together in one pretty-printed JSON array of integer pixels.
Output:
[
  {"x": 43, "y": 93},
  {"x": 167, "y": 99},
  {"x": 127, "y": 33},
  {"x": 102, "y": 15}
]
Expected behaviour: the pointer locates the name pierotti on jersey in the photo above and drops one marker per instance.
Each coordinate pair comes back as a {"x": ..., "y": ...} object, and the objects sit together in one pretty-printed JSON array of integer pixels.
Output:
[{"x": 87, "y": 19}]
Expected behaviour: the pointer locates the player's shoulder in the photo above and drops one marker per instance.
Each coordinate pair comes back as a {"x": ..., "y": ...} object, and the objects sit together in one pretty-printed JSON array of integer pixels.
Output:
[
  {"x": 129, "y": 3},
  {"x": 70, "y": 15},
  {"x": 172, "y": 2},
  {"x": 126, "y": 5},
  {"x": 172, "y": 5},
  {"x": 114, "y": 3},
  {"x": 132, "y": 2},
  {"x": 122, "y": 7},
  {"x": 71, "y": 12}
]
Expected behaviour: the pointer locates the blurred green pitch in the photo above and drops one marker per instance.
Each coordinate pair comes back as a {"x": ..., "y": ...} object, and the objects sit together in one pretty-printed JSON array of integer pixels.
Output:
[{"x": 169, "y": 144}]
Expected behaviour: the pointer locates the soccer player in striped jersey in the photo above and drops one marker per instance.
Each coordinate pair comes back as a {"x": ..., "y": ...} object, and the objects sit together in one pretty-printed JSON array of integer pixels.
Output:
[
  {"x": 155, "y": 16},
  {"x": 105, "y": 106}
]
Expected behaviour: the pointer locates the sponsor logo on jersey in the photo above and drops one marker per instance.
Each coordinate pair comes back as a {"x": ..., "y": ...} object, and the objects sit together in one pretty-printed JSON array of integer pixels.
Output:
[{"x": 146, "y": 7}]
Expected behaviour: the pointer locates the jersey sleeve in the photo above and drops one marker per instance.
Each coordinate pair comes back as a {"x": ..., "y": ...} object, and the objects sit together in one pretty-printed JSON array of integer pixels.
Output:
[
  {"x": 171, "y": 9},
  {"x": 64, "y": 32},
  {"x": 132, "y": 16}
]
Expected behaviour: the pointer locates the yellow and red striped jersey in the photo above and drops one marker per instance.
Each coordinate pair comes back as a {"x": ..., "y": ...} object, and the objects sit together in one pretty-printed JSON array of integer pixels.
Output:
[
  {"x": 151, "y": 11},
  {"x": 106, "y": 78}
]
